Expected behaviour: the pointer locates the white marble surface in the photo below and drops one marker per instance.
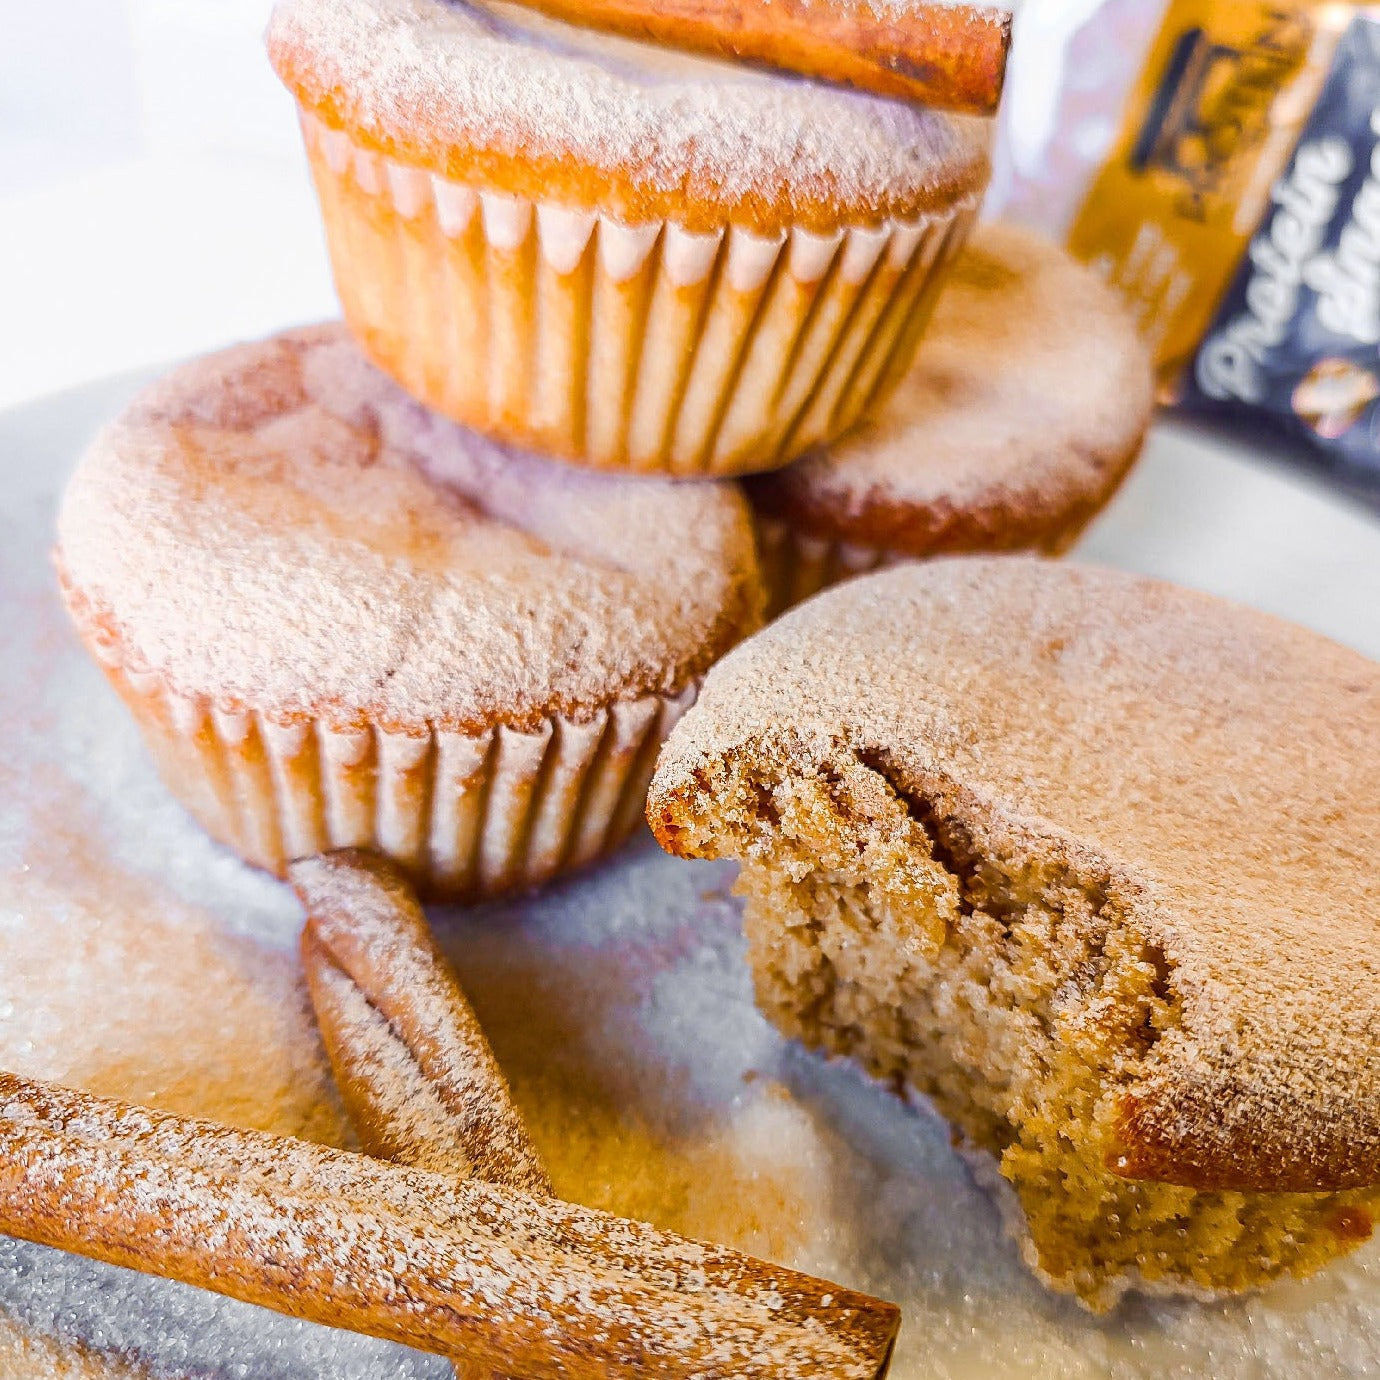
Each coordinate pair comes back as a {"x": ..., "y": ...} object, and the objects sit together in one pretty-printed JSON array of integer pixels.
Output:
[{"x": 154, "y": 201}]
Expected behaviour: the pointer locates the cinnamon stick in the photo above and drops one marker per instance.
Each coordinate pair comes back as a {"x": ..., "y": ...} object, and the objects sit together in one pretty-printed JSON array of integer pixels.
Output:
[
  {"x": 409, "y": 1056},
  {"x": 512, "y": 1281},
  {"x": 363, "y": 902},
  {"x": 950, "y": 56}
]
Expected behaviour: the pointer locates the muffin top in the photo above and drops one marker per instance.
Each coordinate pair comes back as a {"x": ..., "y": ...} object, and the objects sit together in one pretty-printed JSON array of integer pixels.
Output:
[
  {"x": 1209, "y": 775},
  {"x": 279, "y": 528},
  {"x": 1028, "y": 401},
  {"x": 499, "y": 95}
]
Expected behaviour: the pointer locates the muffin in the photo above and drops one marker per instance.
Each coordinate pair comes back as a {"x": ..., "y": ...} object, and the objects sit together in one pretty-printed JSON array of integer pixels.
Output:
[
  {"x": 1089, "y": 861},
  {"x": 339, "y": 620},
  {"x": 620, "y": 255},
  {"x": 1023, "y": 413}
]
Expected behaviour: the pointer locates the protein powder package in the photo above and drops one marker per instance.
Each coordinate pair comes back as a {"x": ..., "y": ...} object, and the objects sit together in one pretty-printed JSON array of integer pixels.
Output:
[
  {"x": 1298, "y": 333},
  {"x": 1234, "y": 199}
]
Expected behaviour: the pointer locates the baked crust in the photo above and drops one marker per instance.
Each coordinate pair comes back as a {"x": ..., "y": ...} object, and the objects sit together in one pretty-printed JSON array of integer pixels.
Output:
[
  {"x": 278, "y": 529},
  {"x": 718, "y": 144},
  {"x": 1021, "y": 416},
  {"x": 1001, "y": 522},
  {"x": 1205, "y": 776}
]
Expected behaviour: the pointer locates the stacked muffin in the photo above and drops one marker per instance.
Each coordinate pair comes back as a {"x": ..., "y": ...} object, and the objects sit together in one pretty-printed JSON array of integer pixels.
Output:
[
  {"x": 347, "y": 611},
  {"x": 624, "y": 256}
]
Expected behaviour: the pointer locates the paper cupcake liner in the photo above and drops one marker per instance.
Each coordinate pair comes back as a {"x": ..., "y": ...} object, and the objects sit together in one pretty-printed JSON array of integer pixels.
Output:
[
  {"x": 468, "y": 816},
  {"x": 644, "y": 348},
  {"x": 796, "y": 566}
]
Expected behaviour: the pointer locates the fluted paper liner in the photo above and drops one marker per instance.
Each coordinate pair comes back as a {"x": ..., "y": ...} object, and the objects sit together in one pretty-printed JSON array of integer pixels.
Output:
[
  {"x": 468, "y": 816},
  {"x": 644, "y": 348},
  {"x": 797, "y": 566}
]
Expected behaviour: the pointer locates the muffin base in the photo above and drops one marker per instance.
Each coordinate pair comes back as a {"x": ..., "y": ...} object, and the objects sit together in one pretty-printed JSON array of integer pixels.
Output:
[
  {"x": 468, "y": 816},
  {"x": 796, "y": 566},
  {"x": 641, "y": 348}
]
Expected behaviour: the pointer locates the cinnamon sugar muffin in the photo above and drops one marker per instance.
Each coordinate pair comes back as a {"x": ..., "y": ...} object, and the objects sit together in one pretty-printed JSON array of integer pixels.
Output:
[
  {"x": 1089, "y": 860},
  {"x": 1027, "y": 406},
  {"x": 620, "y": 255},
  {"x": 340, "y": 620}
]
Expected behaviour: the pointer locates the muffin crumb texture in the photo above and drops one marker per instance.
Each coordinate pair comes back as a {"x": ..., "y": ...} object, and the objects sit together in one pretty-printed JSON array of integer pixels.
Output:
[{"x": 1021, "y": 1003}]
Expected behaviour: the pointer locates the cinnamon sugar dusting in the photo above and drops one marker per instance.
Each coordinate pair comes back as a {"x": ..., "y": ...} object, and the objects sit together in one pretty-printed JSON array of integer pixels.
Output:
[
  {"x": 278, "y": 527},
  {"x": 24, "y": 1354},
  {"x": 419, "y": 1129},
  {"x": 503, "y": 81},
  {"x": 89, "y": 953},
  {"x": 1210, "y": 773},
  {"x": 1031, "y": 394},
  {"x": 415, "y": 1062}
]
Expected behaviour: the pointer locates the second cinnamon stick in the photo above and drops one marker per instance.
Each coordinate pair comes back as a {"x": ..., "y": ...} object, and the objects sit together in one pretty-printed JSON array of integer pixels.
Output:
[{"x": 411, "y": 1060}]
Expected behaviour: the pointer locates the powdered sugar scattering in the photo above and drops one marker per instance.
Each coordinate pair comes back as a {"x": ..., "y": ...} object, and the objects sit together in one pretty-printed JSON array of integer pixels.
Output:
[{"x": 137, "y": 959}]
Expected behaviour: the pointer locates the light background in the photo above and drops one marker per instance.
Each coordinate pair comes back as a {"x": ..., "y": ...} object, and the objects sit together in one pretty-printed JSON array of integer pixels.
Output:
[{"x": 154, "y": 201}]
